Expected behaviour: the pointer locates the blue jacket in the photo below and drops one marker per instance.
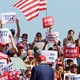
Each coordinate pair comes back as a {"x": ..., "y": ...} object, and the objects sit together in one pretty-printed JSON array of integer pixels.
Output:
[{"x": 42, "y": 72}]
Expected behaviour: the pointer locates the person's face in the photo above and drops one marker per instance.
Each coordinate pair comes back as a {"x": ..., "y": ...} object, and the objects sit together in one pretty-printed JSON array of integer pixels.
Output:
[
  {"x": 20, "y": 49},
  {"x": 29, "y": 52},
  {"x": 60, "y": 68},
  {"x": 71, "y": 35},
  {"x": 39, "y": 37},
  {"x": 74, "y": 69},
  {"x": 70, "y": 63},
  {"x": 24, "y": 38}
]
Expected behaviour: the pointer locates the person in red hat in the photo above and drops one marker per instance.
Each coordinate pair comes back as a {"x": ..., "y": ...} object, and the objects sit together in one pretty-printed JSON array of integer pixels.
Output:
[{"x": 42, "y": 71}]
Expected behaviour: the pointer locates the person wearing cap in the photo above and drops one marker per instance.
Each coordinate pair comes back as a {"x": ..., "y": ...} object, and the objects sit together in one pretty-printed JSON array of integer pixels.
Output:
[
  {"x": 21, "y": 52},
  {"x": 42, "y": 71},
  {"x": 24, "y": 41},
  {"x": 38, "y": 44},
  {"x": 16, "y": 37},
  {"x": 58, "y": 72}
]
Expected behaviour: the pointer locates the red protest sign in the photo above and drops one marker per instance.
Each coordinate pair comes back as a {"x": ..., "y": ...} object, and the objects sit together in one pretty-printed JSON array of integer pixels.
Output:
[
  {"x": 47, "y": 21},
  {"x": 71, "y": 52}
]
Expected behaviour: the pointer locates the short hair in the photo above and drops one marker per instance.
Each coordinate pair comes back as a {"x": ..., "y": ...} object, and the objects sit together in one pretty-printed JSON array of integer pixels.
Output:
[
  {"x": 69, "y": 32},
  {"x": 69, "y": 60},
  {"x": 12, "y": 31},
  {"x": 38, "y": 33}
]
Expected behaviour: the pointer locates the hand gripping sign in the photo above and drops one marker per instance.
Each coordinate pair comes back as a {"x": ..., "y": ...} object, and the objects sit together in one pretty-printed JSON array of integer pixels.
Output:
[
  {"x": 47, "y": 21},
  {"x": 71, "y": 52}
]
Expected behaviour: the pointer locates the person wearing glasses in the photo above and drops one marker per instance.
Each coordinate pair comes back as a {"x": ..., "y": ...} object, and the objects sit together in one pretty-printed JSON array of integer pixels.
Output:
[{"x": 38, "y": 44}]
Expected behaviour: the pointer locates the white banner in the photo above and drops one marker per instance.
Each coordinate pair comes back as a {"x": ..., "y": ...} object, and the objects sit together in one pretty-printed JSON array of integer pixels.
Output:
[
  {"x": 52, "y": 37},
  {"x": 4, "y": 35},
  {"x": 74, "y": 77},
  {"x": 51, "y": 56},
  {"x": 9, "y": 17}
]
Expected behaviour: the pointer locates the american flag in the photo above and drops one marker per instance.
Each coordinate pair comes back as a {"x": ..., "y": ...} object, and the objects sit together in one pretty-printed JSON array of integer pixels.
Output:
[{"x": 30, "y": 8}]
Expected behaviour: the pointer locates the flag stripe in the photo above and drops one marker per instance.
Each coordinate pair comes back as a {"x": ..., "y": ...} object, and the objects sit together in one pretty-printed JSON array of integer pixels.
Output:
[
  {"x": 42, "y": 5},
  {"x": 32, "y": 16}
]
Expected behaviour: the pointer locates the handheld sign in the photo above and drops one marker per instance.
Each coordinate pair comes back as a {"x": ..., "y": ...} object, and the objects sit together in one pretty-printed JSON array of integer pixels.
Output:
[
  {"x": 51, "y": 56},
  {"x": 74, "y": 77},
  {"x": 4, "y": 35},
  {"x": 9, "y": 17},
  {"x": 52, "y": 37},
  {"x": 71, "y": 52},
  {"x": 47, "y": 21}
]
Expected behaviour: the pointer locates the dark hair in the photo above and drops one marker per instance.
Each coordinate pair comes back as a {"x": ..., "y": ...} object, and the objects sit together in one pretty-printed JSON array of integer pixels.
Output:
[
  {"x": 69, "y": 60},
  {"x": 50, "y": 48},
  {"x": 69, "y": 32},
  {"x": 24, "y": 34},
  {"x": 12, "y": 31},
  {"x": 38, "y": 33}
]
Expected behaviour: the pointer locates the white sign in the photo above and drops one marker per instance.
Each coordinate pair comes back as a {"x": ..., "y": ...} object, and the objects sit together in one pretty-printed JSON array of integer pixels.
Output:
[
  {"x": 3, "y": 62},
  {"x": 9, "y": 17},
  {"x": 74, "y": 77},
  {"x": 4, "y": 35},
  {"x": 52, "y": 37},
  {"x": 7, "y": 67},
  {"x": 66, "y": 76},
  {"x": 51, "y": 56}
]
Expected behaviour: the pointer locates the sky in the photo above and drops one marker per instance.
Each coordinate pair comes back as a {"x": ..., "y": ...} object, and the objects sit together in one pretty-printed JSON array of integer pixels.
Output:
[{"x": 66, "y": 14}]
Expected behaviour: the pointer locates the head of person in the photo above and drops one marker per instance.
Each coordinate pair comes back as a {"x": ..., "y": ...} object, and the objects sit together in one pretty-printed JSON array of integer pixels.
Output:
[
  {"x": 59, "y": 66},
  {"x": 2, "y": 46},
  {"x": 20, "y": 47},
  {"x": 13, "y": 32},
  {"x": 71, "y": 34},
  {"x": 29, "y": 52},
  {"x": 24, "y": 37},
  {"x": 74, "y": 69},
  {"x": 39, "y": 36},
  {"x": 41, "y": 58},
  {"x": 70, "y": 62},
  {"x": 31, "y": 57}
]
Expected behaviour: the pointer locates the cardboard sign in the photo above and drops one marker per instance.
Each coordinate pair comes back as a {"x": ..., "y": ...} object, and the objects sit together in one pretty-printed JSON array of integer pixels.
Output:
[
  {"x": 74, "y": 77},
  {"x": 4, "y": 35},
  {"x": 52, "y": 37},
  {"x": 3, "y": 62},
  {"x": 9, "y": 17},
  {"x": 51, "y": 56},
  {"x": 71, "y": 52},
  {"x": 66, "y": 75},
  {"x": 5, "y": 68},
  {"x": 47, "y": 21}
]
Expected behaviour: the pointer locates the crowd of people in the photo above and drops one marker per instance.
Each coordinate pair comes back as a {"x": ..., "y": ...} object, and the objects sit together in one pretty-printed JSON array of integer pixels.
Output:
[{"x": 31, "y": 54}]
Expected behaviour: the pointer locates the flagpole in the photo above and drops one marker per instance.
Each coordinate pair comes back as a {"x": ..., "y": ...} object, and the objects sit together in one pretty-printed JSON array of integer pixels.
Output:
[{"x": 46, "y": 16}]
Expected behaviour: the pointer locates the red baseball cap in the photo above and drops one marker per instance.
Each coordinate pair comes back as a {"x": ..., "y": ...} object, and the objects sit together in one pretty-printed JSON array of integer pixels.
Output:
[
  {"x": 20, "y": 45},
  {"x": 31, "y": 57},
  {"x": 41, "y": 58}
]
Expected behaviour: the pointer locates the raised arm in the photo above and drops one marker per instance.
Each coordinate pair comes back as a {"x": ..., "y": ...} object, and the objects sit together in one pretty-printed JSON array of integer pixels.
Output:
[{"x": 18, "y": 29}]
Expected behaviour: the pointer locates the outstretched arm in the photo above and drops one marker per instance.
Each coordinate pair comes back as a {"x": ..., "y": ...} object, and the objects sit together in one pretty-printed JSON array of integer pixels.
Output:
[
  {"x": 0, "y": 24},
  {"x": 18, "y": 28}
]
